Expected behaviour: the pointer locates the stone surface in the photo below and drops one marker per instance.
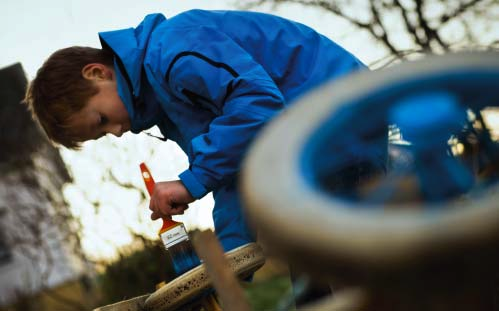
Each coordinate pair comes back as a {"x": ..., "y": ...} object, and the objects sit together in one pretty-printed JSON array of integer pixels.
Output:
[{"x": 38, "y": 244}]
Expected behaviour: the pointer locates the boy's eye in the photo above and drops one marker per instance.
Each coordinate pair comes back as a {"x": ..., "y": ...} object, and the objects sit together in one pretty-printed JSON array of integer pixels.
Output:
[{"x": 103, "y": 120}]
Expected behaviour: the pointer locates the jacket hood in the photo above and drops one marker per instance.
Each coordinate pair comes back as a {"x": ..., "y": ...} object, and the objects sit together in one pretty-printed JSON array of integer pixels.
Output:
[{"x": 129, "y": 47}]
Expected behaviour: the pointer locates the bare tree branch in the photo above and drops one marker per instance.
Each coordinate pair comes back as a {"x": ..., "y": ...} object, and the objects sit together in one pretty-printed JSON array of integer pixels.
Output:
[
  {"x": 423, "y": 30},
  {"x": 380, "y": 34},
  {"x": 126, "y": 185},
  {"x": 430, "y": 33},
  {"x": 411, "y": 29},
  {"x": 458, "y": 11}
]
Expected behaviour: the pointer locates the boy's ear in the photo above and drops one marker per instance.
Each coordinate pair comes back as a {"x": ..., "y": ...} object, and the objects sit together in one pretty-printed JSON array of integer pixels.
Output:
[{"x": 97, "y": 71}]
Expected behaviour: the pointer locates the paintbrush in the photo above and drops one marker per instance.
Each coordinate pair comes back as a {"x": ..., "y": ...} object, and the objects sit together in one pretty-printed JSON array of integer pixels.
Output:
[{"x": 173, "y": 235}]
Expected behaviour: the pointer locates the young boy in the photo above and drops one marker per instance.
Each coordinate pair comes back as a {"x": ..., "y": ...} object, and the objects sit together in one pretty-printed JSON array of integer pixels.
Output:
[{"x": 210, "y": 80}]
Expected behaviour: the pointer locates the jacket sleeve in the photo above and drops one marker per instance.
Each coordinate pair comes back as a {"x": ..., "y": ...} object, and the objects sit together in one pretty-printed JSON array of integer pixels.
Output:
[{"x": 217, "y": 74}]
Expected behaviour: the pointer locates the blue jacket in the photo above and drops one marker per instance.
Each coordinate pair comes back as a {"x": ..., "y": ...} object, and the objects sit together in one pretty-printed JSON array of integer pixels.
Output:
[{"x": 211, "y": 79}]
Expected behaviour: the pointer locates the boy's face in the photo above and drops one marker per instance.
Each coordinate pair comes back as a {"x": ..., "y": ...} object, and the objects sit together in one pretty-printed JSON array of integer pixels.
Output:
[{"x": 104, "y": 112}]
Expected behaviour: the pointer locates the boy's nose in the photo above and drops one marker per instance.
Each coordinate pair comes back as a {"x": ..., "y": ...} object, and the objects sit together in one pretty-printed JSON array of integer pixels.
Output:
[{"x": 115, "y": 130}]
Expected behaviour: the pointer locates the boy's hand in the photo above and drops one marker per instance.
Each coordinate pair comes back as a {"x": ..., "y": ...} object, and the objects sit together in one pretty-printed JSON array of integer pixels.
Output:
[{"x": 169, "y": 198}]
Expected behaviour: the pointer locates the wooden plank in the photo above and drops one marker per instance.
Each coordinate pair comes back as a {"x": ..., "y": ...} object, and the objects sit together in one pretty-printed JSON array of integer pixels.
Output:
[{"x": 223, "y": 279}]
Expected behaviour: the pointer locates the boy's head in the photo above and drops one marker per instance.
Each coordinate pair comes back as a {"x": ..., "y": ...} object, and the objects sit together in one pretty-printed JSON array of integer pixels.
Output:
[{"x": 74, "y": 96}]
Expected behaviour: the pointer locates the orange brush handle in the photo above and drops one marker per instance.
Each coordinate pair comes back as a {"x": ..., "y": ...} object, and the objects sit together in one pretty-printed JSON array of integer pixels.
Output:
[{"x": 149, "y": 181}]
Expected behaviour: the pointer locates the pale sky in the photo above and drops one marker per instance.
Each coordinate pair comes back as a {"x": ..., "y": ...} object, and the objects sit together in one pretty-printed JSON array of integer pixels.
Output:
[{"x": 31, "y": 30}]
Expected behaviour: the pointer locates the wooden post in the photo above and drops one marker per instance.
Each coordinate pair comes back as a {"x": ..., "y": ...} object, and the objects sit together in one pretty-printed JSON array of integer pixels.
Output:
[{"x": 224, "y": 281}]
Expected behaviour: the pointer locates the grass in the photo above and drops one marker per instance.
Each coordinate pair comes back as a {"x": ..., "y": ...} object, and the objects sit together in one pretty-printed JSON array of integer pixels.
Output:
[{"x": 268, "y": 294}]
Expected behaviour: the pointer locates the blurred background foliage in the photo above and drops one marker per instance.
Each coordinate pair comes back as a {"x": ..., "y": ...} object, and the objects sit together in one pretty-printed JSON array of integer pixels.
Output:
[{"x": 137, "y": 270}]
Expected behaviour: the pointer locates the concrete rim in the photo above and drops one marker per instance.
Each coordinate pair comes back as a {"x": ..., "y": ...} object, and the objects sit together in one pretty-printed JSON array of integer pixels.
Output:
[{"x": 299, "y": 218}]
